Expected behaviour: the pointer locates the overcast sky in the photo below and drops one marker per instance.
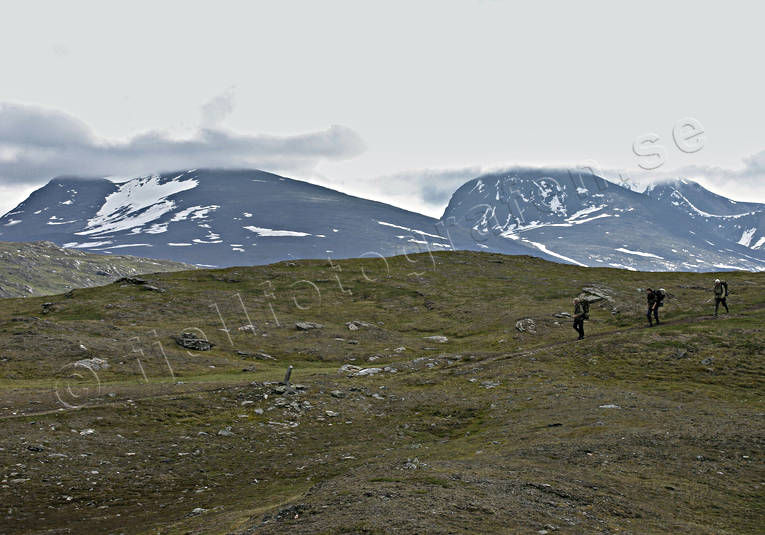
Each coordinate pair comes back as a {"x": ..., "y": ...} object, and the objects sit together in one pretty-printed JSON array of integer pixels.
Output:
[{"x": 396, "y": 101}]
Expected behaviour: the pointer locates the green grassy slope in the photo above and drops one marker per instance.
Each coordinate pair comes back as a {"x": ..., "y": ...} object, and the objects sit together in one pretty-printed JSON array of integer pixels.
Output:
[
  {"x": 633, "y": 430},
  {"x": 43, "y": 268}
]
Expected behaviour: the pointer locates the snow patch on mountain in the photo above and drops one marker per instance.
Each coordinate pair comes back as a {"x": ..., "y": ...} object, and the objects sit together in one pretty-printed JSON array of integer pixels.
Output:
[
  {"x": 136, "y": 203},
  {"x": 76, "y": 245},
  {"x": 638, "y": 253},
  {"x": 676, "y": 194},
  {"x": 384, "y": 223},
  {"x": 746, "y": 237},
  {"x": 194, "y": 212},
  {"x": 586, "y": 211},
  {"x": 544, "y": 249},
  {"x": 260, "y": 231},
  {"x": 123, "y": 246}
]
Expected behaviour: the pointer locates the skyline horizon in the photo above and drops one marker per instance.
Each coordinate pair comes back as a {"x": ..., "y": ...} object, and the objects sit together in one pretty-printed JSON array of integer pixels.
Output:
[{"x": 616, "y": 177}]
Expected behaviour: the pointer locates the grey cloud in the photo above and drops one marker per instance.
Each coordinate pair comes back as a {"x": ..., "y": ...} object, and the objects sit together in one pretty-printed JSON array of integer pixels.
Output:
[
  {"x": 218, "y": 108},
  {"x": 745, "y": 183},
  {"x": 37, "y": 144},
  {"x": 433, "y": 186},
  {"x": 26, "y": 126}
]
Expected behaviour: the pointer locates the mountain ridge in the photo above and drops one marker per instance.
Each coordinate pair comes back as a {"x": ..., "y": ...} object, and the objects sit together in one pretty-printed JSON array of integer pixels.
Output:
[
  {"x": 215, "y": 217},
  {"x": 587, "y": 220},
  {"x": 233, "y": 217}
]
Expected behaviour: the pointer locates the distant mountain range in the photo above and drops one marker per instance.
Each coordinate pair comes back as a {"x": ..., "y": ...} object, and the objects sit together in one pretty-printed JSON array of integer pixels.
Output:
[
  {"x": 586, "y": 220},
  {"x": 213, "y": 218}
]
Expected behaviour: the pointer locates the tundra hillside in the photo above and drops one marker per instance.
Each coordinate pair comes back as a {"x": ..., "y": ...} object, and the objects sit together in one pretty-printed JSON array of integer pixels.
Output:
[
  {"x": 43, "y": 268},
  {"x": 429, "y": 394}
]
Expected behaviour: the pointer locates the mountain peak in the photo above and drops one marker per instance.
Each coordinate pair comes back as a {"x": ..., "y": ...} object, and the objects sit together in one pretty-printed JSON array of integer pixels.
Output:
[
  {"x": 583, "y": 219},
  {"x": 217, "y": 218}
]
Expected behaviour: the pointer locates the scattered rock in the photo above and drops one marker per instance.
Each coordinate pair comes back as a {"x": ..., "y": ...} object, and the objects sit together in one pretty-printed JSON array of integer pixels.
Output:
[
  {"x": 490, "y": 384},
  {"x": 526, "y": 325},
  {"x": 151, "y": 288},
  {"x": 349, "y": 368},
  {"x": 332, "y": 414},
  {"x": 354, "y": 325},
  {"x": 292, "y": 512},
  {"x": 247, "y": 328},
  {"x": 368, "y": 371},
  {"x": 594, "y": 295},
  {"x": 257, "y": 356},
  {"x": 307, "y": 326},
  {"x": 48, "y": 308},
  {"x": 226, "y": 432},
  {"x": 561, "y": 315},
  {"x": 414, "y": 464},
  {"x": 707, "y": 361},
  {"x": 192, "y": 341},
  {"x": 399, "y": 349},
  {"x": 86, "y": 432},
  {"x": 437, "y": 338},
  {"x": 610, "y": 406},
  {"x": 95, "y": 364},
  {"x": 337, "y": 394},
  {"x": 130, "y": 280}
]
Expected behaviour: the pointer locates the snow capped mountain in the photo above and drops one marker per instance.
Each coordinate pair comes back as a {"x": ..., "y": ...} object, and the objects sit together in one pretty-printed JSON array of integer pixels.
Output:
[
  {"x": 224, "y": 218},
  {"x": 216, "y": 218},
  {"x": 586, "y": 220}
]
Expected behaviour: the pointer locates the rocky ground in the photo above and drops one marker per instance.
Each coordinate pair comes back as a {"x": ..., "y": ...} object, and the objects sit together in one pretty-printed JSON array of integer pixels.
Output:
[
  {"x": 43, "y": 268},
  {"x": 443, "y": 394}
]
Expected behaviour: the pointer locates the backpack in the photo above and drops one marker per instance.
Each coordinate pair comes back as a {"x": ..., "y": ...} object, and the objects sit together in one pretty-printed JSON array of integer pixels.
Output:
[
  {"x": 660, "y": 295},
  {"x": 585, "y": 309},
  {"x": 721, "y": 290}
]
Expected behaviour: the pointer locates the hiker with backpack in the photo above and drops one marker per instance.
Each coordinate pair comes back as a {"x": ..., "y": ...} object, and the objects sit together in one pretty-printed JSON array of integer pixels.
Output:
[
  {"x": 581, "y": 313},
  {"x": 655, "y": 301},
  {"x": 652, "y": 310},
  {"x": 721, "y": 295}
]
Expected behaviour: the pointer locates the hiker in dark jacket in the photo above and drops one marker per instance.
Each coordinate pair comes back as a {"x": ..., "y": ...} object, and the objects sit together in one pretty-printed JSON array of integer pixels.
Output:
[
  {"x": 721, "y": 295},
  {"x": 580, "y": 314},
  {"x": 653, "y": 306}
]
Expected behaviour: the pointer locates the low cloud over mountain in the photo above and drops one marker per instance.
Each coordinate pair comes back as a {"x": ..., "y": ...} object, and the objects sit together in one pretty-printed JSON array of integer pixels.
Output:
[{"x": 37, "y": 143}]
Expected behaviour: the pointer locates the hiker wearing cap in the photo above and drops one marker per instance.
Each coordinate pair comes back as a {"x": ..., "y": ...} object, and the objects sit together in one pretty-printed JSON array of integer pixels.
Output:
[
  {"x": 581, "y": 313},
  {"x": 721, "y": 295}
]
